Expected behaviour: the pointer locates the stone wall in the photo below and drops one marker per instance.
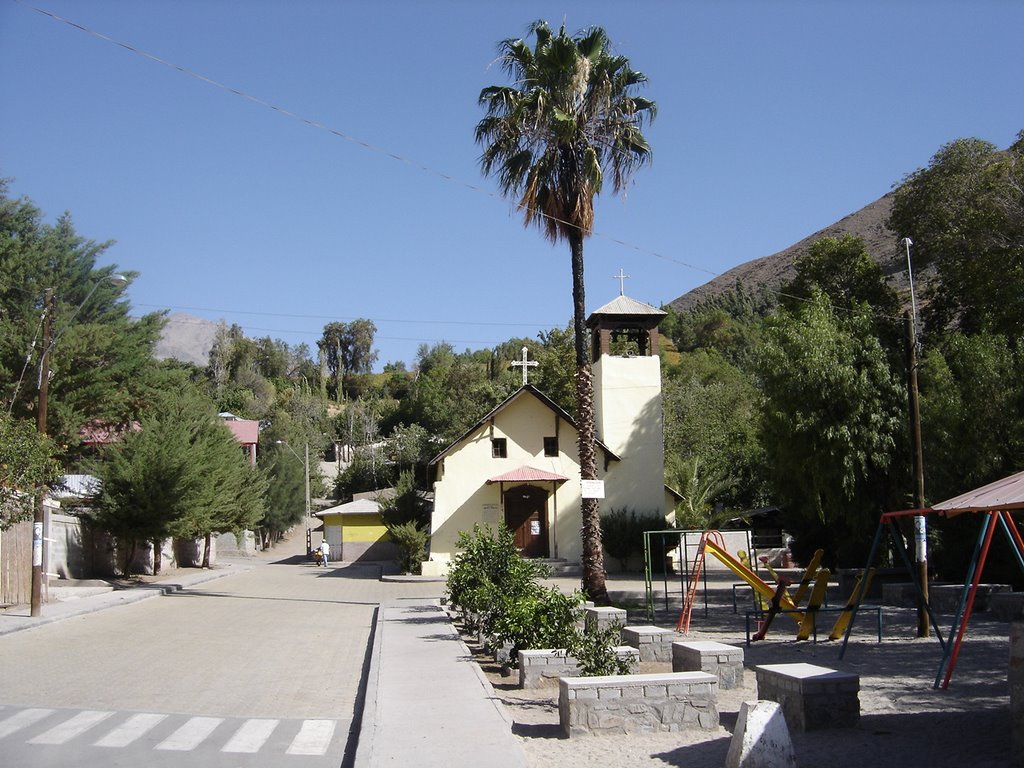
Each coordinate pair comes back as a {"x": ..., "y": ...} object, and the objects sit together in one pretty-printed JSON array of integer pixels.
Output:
[{"x": 636, "y": 704}]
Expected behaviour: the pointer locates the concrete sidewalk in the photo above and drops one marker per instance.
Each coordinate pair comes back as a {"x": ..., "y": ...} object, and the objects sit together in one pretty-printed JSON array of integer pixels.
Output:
[
  {"x": 427, "y": 702},
  {"x": 19, "y": 618}
]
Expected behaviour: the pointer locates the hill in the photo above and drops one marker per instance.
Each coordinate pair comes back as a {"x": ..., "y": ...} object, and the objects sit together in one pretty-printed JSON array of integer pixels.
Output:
[
  {"x": 186, "y": 338},
  {"x": 776, "y": 270}
]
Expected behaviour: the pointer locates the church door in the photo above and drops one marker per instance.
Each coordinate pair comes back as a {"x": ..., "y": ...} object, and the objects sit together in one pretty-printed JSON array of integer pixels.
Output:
[{"x": 526, "y": 516}]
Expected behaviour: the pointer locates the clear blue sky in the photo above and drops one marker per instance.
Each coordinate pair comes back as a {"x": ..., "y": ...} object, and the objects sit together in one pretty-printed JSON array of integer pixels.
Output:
[{"x": 775, "y": 119}]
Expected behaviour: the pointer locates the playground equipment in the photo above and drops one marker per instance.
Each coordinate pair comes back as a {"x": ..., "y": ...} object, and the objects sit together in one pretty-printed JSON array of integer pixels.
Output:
[
  {"x": 993, "y": 503},
  {"x": 772, "y": 599}
]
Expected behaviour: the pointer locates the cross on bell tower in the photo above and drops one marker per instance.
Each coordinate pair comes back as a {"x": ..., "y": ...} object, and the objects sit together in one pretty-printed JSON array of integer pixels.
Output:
[
  {"x": 621, "y": 277},
  {"x": 525, "y": 364}
]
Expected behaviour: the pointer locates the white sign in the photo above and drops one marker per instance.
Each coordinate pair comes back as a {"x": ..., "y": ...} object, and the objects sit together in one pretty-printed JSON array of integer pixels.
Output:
[
  {"x": 593, "y": 489},
  {"x": 535, "y": 527}
]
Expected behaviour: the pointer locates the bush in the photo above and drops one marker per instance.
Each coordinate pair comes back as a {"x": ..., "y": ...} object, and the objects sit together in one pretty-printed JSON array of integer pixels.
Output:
[
  {"x": 622, "y": 532},
  {"x": 594, "y": 649},
  {"x": 411, "y": 541},
  {"x": 488, "y": 572},
  {"x": 539, "y": 618}
]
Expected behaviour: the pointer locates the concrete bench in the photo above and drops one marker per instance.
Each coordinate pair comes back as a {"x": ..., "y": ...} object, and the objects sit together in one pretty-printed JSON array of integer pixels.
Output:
[
  {"x": 812, "y": 697},
  {"x": 540, "y": 668},
  {"x": 723, "y": 661},
  {"x": 603, "y": 617},
  {"x": 634, "y": 704},
  {"x": 1007, "y": 606},
  {"x": 654, "y": 643}
]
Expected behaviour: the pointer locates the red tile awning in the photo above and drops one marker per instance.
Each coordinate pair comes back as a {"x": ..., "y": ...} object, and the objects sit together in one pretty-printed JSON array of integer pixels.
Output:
[{"x": 526, "y": 475}]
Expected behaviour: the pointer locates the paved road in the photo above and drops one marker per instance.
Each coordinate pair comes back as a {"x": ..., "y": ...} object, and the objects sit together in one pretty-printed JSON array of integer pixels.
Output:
[{"x": 262, "y": 668}]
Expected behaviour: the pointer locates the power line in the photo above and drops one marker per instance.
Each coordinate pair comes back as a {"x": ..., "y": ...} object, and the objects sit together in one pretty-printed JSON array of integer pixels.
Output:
[{"x": 316, "y": 124}]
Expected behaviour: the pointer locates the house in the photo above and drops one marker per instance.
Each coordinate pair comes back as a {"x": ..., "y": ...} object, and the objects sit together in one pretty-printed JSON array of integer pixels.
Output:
[
  {"x": 356, "y": 532},
  {"x": 246, "y": 432},
  {"x": 519, "y": 464}
]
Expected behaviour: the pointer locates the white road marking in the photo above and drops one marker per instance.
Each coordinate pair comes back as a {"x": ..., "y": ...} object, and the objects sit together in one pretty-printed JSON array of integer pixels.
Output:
[
  {"x": 130, "y": 730},
  {"x": 191, "y": 734},
  {"x": 22, "y": 719},
  {"x": 313, "y": 738},
  {"x": 251, "y": 736},
  {"x": 69, "y": 729}
]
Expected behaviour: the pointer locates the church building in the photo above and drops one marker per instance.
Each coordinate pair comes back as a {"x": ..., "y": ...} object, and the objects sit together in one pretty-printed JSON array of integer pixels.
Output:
[{"x": 519, "y": 464}]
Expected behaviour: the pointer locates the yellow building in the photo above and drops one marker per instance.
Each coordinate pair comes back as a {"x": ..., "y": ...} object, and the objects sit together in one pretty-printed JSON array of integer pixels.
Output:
[
  {"x": 356, "y": 532},
  {"x": 519, "y": 465}
]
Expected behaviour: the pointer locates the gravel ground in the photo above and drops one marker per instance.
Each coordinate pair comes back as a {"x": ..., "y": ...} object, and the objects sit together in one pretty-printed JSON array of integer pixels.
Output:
[{"x": 904, "y": 722}]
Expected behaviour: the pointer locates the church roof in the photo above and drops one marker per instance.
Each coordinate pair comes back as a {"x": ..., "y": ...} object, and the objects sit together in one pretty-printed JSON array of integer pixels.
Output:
[
  {"x": 526, "y": 389},
  {"x": 527, "y": 474},
  {"x": 623, "y": 305}
]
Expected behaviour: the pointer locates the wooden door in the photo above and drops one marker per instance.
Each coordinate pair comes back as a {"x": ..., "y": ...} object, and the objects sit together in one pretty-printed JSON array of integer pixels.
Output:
[{"x": 526, "y": 516}]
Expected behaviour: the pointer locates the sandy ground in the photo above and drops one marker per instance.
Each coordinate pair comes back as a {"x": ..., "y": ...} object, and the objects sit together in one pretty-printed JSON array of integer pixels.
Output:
[{"x": 904, "y": 722}]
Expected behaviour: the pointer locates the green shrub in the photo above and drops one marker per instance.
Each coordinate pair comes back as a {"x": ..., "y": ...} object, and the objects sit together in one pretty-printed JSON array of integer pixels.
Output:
[
  {"x": 594, "y": 649},
  {"x": 622, "y": 532},
  {"x": 411, "y": 541},
  {"x": 489, "y": 573},
  {"x": 538, "y": 618}
]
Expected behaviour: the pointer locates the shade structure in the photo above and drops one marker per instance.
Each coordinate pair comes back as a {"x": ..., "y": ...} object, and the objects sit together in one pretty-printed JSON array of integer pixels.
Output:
[{"x": 1007, "y": 493}]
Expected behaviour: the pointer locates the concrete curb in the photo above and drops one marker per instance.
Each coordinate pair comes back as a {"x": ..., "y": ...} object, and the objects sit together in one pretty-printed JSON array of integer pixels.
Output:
[
  {"x": 59, "y": 611},
  {"x": 368, "y": 717}
]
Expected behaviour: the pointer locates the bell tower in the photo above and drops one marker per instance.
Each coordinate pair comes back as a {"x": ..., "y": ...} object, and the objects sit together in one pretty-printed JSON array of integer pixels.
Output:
[{"x": 627, "y": 402}]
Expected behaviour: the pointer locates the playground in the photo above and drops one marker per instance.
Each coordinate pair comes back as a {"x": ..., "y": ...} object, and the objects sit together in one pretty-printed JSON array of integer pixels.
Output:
[{"x": 905, "y": 720}]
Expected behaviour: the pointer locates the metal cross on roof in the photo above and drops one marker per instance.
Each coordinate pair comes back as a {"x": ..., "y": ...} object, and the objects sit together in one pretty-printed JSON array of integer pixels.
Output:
[
  {"x": 525, "y": 364},
  {"x": 621, "y": 277}
]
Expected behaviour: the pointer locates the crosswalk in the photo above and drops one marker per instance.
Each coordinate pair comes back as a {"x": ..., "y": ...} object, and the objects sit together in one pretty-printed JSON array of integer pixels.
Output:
[{"x": 170, "y": 733}]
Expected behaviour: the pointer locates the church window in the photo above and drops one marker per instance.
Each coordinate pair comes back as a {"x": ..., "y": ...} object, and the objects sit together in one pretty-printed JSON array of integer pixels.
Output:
[
  {"x": 550, "y": 446},
  {"x": 499, "y": 448}
]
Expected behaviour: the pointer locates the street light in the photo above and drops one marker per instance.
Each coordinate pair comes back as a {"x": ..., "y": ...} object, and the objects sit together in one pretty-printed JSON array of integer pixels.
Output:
[
  {"x": 305, "y": 465},
  {"x": 920, "y": 524},
  {"x": 49, "y": 341}
]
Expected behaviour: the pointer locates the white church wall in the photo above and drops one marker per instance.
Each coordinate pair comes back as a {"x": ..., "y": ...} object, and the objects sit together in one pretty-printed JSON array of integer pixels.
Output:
[
  {"x": 462, "y": 497},
  {"x": 629, "y": 420}
]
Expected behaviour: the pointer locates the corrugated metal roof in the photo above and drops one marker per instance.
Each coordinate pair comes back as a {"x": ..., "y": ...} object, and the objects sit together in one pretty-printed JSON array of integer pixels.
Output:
[
  {"x": 357, "y": 507},
  {"x": 527, "y": 474},
  {"x": 623, "y": 305},
  {"x": 1007, "y": 493}
]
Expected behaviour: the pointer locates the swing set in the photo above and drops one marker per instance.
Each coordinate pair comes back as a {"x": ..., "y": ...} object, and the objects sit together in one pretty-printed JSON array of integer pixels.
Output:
[{"x": 993, "y": 504}]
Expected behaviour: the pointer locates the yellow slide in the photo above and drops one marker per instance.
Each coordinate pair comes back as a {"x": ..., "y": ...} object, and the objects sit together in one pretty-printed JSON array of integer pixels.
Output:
[{"x": 755, "y": 581}]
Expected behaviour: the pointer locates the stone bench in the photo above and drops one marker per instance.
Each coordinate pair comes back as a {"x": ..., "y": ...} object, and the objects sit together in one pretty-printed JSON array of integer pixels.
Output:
[
  {"x": 1007, "y": 606},
  {"x": 654, "y": 643},
  {"x": 603, "y": 617},
  {"x": 540, "y": 668},
  {"x": 723, "y": 661},
  {"x": 812, "y": 697},
  {"x": 634, "y": 704}
]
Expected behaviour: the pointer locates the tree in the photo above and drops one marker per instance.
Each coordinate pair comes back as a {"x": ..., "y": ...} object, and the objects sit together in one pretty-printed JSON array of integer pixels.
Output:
[
  {"x": 965, "y": 215},
  {"x": 101, "y": 359},
  {"x": 712, "y": 440},
  {"x": 346, "y": 349},
  {"x": 26, "y": 466},
  {"x": 181, "y": 474},
  {"x": 833, "y": 420},
  {"x": 569, "y": 120}
]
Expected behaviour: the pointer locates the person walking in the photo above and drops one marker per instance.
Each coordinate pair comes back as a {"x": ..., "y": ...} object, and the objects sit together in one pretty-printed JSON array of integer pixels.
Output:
[{"x": 325, "y": 552}]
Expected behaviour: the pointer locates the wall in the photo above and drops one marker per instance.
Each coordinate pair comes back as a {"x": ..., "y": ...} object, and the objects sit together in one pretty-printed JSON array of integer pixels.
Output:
[{"x": 462, "y": 496}]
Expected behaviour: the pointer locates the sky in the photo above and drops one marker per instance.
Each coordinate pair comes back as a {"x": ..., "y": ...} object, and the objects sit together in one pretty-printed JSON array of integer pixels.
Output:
[{"x": 282, "y": 165}]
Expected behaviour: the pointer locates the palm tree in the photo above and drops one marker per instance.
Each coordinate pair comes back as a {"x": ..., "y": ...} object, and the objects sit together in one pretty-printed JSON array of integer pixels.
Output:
[{"x": 569, "y": 120}]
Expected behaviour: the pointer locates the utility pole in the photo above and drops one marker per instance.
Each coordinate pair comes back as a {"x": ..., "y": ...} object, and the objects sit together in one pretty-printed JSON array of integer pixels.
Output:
[
  {"x": 920, "y": 524},
  {"x": 40, "y": 512},
  {"x": 309, "y": 527}
]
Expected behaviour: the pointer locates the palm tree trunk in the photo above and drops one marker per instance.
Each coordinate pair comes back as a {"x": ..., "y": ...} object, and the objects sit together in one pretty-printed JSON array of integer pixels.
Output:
[{"x": 592, "y": 558}]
